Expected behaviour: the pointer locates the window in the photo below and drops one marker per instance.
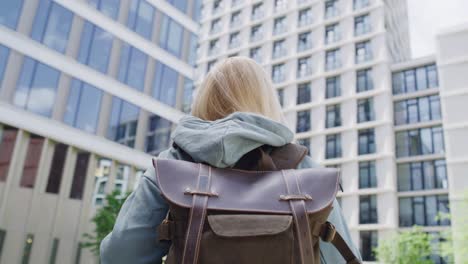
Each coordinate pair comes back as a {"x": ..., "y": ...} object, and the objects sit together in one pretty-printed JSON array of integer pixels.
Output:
[
  {"x": 333, "y": 146},
  {"x": 279, "y": 25},
  {"x": 416, "y": 79},
  {"x": 132, "y": 68},
  {"x": 333, "y": 116},
  {"x": 210, "y": 65},
  {"x": 196, "y": 10},
  {"x": 158, "y": 136},
  {"x": 369, "y": 241},
  {"x": 101, "y": 177},
  {"x": 362, "y": 25},
  {"x": 257, "y": 11},
  {"x": 364, "y": 80},
  {"x": 78, "y": 253},
  {"x": 83, "y": 106},
  {"x": 333, "y": 87},
  {"x": 79, "y": 175},
  {"x": 214, "y": 47},
  {"x": 95, "y": 47},
  {"x": 165, "y": 84},
  {"x": 52, "y": 25},
  {"x": 365, "y": 110},
  {"x": 358, "y": 4},
  {"x": 179, "y": 4},
  {"x": 256, "y": 33},
  {"x": 53, "y": 252},
  {"x": 235, "y": 3},
  {"x": 236, "y": 19},
  {"x": 423, "y": 141},
  {"x": 56, "y": 168},
  {"x": 304, "y": 41},
  {"x": 303, "y": 93},
  {"x": 109, "y": 7},
  {"x": 255, "y": 53},
  {"x": 424, "y": 210},
  {"x": 331, "y": 8},
  {"x": 171, "y": 36},
  {"x": 123, "y": 122},
  {"x": 427, "y": 175},
  {"x": 281, "y": 96},
  {"x": 416, "y": 110},
  {"x": 188, "y": 95},
  {"x": 27, "y": 248},
  {"x": 332, "y": 59},
  {"x": 368, "y": 209},
  {"x": 140, "y": 18},
  {"x": 281, "y": 5},
  {"x": 217, "y": 6},
  {"x": 121, "y": 179},
  {"x": 306, "y": 143},
  {"x": 363, "y": 52},
  {"x": 304, "y": 67},
  {"x": 366, "y": 139},
  {"x": 305, "y": 17},
  {"x": 279, "y": 49},
  {"x": 10, "y": 12},
  {"x": 4, "y": 52},
  {"x": 367, "y": 175},
  {"x": 303, "y": 121},
  {"x": 277, "y": 72},
  {"x": 234, "y": 40},
  {"x": 216, "y": 26},
  {"x": 31, "y": 162},
  {"x": 7, "y": 146},
  {"x": 2, "y": 240},
  {"x": 36, "y": 87},
  {"x": 193, "y": 49},
  {"x": 332, "y": 33}
]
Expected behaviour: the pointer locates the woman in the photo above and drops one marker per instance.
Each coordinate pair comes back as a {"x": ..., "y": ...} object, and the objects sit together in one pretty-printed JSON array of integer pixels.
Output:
[{"x": 235, "y": 111}]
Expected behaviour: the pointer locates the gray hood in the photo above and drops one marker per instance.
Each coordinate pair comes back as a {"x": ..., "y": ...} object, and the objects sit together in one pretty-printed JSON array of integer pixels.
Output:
[{"x": 221, "y": 143}]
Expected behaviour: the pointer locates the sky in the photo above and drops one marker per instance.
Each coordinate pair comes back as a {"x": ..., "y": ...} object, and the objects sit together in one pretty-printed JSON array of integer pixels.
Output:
[{"x": 427, "y": 17}]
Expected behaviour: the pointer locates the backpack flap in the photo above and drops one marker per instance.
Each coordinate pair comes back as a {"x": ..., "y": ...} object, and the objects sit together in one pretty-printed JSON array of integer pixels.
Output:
[
  {"x": 247, "y": 191},
  {"x": 246, "y": 225}
]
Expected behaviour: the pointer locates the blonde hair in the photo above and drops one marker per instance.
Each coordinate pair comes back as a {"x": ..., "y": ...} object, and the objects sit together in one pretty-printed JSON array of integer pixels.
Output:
[{"x": 238, "y": 84}]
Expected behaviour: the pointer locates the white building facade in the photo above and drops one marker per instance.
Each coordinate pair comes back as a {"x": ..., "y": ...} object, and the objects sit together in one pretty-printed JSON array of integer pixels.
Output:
[
  {"x": 89, "y": 92},
  {"x": 348, "y": 89}
]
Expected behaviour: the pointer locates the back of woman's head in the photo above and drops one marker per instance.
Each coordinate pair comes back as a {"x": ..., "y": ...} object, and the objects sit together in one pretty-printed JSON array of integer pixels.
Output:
[{"x": 237, "y": 84}]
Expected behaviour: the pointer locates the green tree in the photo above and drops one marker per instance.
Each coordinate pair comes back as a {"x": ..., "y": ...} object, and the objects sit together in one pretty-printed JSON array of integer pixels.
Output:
[
  {"x": 104, "y": 220},
  {"x": 407, "y": 247}
]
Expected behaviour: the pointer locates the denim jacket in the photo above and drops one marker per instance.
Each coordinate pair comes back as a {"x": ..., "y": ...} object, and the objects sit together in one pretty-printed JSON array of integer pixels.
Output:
[{"x": 220, "y": 143}]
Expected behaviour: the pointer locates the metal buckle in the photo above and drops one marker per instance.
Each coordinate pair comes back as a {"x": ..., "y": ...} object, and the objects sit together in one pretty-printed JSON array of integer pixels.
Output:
[{"x": 329, "y": 232}]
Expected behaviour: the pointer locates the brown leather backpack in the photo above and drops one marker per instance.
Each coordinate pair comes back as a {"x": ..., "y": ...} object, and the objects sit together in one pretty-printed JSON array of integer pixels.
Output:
[{"x": 261, "y": 211}]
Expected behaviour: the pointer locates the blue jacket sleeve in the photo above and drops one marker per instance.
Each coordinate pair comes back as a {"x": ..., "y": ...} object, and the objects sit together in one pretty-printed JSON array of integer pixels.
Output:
[{"x": 134, "y": 238}]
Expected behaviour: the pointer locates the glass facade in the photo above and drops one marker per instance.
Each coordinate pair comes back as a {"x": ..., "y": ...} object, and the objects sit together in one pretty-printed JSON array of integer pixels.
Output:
[
  {"x": 166, "y": 82},
  {"x": 158, "y": 136},
  {"x": 188, "y": 95},
  {"x": 132, "y": 68},
  {"x": 52, "y": 25},
  {"x": 303, "y": 93},
  {"x": 108, "y": 7},
  {"x": 140, "y": 18},
  {"x": 421, "y": 109},
  {"x": 95, "y": 47},
  {"x": 425, "y": 175},
  {"x": 123, "y": 122},
  {"x": 333, "y": 146},
  {"x": 4, "y": 52},
  {"x": 7, "y": 145},
  {"x": 303, "y": 121},
  {"x": 333, "y": 87},
  {"x": 171, "y": 36},
  {"x": 368, "y": 209},
  {"x": 10, "y": 12},
  {"x": 369, "y": 241},
  {"x": 424, "y": 210},
  {"x": 36, "y": 87},
  {"x": 79, "y": 175},
  {"x": 31, "y": 162},
  {"x": 333, "y": 116},
  {"x": 364, "y": 80},
  {"x": 367, "y": 175},
  {"x": 83, "y": 106},
  {"x": 365, "y": 110},
  {"x": 421, "y": 78},
  {"x": 179, "y": 4},
  {"x": 56, "y": 168},
  {"x": 423, "y": 141},
  {"x": 366, "y": 140}
]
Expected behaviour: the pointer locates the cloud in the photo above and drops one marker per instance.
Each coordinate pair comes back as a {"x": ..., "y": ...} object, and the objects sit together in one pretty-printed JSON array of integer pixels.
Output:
[{"x": 428, "y": 17}]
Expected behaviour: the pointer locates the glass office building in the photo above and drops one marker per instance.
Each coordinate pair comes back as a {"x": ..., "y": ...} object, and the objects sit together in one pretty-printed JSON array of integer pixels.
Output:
[{"x": 89, "y": 91}]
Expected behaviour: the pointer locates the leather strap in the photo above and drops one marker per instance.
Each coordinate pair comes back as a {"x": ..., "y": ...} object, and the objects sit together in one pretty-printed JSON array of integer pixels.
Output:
[
  {"x": 328, "y": 233},
  {"x": 197, "y": 216},
  {"x": 301, "y": 219}
]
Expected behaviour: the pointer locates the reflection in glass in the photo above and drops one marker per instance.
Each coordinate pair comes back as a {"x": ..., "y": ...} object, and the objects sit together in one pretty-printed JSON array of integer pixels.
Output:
[
  {"x": 109, "y": 7},
  {"x": 423, "y": 210},
  {"x": 171, "y": 36},
  {"x": 140, "y": 18},
  {"x": 158, "y": 136},
  {"x": 101, "y": 176},
  {"x": 4, "y": 52},
  {"x": 10, "y": 12},
  {"x": 123, "y": 122},
  {"x": 95, "y": 47},
  {"x": 79, "y": 175},
  {"x": 165, "y": 84},
  {"x": 36, "y": 87},
  {"x": 132, "y": 68}
]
